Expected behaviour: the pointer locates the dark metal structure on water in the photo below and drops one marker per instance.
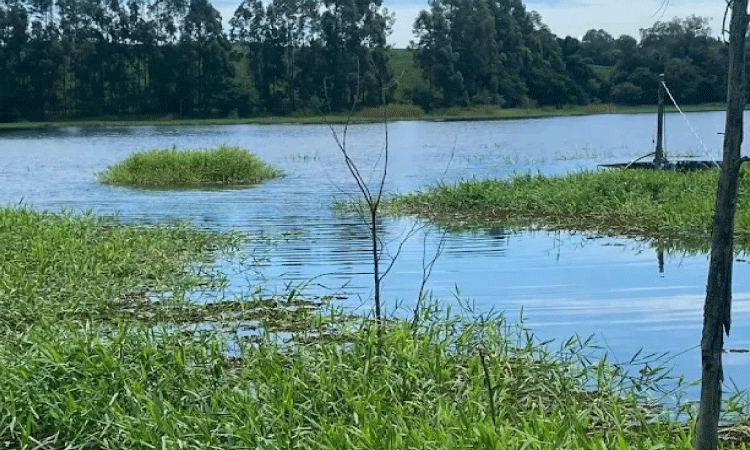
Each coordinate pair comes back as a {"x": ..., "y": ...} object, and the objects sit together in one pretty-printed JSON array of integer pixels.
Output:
[{"x": 660, "y": 160}]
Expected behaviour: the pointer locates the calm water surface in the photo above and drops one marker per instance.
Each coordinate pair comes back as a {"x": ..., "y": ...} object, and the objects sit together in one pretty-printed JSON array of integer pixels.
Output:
[{"x": 565, "y": 283}]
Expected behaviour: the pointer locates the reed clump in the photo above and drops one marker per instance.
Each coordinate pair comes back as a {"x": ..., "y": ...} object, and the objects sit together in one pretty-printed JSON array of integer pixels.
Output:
[
  {"x": 655, "y": 204},
  {"x": 224, "y": 166}
]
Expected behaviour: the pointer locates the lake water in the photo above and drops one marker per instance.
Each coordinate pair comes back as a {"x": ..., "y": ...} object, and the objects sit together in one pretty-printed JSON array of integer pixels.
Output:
[{"x": 614, "y": 288}]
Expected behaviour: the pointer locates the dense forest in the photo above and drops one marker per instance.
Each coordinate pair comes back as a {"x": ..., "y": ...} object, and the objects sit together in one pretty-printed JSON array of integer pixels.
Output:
[{"x": 87, "y": 58}]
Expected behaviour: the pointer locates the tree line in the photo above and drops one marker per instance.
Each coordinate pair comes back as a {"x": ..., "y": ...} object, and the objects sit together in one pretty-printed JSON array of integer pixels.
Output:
[
  {"x": 84, "y": 58},
  {"x": 69, "y": 58},
  {"x": 494, "y": 51}
]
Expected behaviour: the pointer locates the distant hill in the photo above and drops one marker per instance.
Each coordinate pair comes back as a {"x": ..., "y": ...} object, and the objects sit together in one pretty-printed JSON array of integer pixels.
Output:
[{"x": 406, "y": 74}]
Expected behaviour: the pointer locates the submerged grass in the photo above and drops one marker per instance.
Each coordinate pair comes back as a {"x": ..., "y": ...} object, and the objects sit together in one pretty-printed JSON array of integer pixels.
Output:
[
  {"x": 665, "y": 205},
  {"x": 224, "y": 166},
  {"x": 58, "y": 267},
  {"x": 88, "y": 361}
]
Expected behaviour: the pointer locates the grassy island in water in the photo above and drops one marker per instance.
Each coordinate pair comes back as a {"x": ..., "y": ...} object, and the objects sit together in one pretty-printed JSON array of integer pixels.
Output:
[
  {"x": 184, "y": 169},
  {"x": 669, "y": 205}
]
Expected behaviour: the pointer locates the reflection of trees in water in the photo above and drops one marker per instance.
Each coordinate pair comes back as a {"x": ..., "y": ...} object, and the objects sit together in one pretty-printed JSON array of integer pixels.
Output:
[
  {"x": 660, "y": 259},
  {"x": 498, "y": 233},
  {"x": 338, "y": 249}
]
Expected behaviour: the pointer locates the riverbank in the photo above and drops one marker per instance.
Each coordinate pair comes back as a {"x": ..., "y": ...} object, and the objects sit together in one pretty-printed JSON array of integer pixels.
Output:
[
  {"x": 103, "y": 344},
  {"x": 673, "y": 207},
  {"x": 367, "y": 115}
]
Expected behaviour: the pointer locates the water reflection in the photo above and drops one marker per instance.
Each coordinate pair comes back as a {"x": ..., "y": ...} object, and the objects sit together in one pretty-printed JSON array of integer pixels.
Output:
[{"x": 660, "y": 259}]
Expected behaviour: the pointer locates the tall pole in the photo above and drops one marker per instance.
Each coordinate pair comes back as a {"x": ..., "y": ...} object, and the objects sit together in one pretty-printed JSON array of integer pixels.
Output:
[
  {"x": 659, "y": 158},
  {"x": 717, "y": 310}
]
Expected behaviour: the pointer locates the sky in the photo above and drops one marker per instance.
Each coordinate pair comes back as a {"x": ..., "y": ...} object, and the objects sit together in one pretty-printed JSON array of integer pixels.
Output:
[{"x": 563, "y": 17}]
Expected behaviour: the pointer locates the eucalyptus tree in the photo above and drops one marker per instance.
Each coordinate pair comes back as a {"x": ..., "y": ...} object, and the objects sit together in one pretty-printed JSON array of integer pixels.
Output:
[
  {"x": 168, "y": 16},
  {"x": 248, "y": 31},
  {"x": 14, "y": 22},
  {"x": 474, "y": 39},
  {"x": 293, "y": 25},
  {"x": 161, "y": 45},
  {"x": 353, "y": 49},
  {"x": 79, "y": 37},
  {"x": 205, "y": 66},
  {"x": 512, "y": 24},
  {"x": 436, "y": 56},
  {"x": 491, "y": 51},
  {"x": 458, "y": 52}
]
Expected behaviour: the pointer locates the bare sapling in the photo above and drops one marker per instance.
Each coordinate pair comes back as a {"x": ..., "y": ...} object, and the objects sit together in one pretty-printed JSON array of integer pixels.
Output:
[
  {"x": 372, "y": 198},
  {"x": 369, "y": 210}
]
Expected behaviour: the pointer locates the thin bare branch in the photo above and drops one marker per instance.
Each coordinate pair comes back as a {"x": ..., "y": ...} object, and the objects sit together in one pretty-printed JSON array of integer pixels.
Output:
[
  {"x": 385, "y": 165},
  {"x": 393, "y": 259},
  {"x": 450, "y": 160}
]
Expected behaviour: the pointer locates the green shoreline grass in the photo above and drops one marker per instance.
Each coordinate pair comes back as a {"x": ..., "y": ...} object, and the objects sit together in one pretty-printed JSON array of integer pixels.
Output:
[
  {"x": 222, "y": 167},
  {"x": 396, "y": 112},
  {"x": 665, "y": 205},
  {"x": 65, "y": 267},
  {"x": 399, "y": 389},
  {"x": 83, "y": 369}
]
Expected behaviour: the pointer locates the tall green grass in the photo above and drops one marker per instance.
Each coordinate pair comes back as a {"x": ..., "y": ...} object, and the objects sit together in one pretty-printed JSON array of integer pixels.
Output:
[
  {"x": 172, "y": 168},
  {"x": 81, "y": 369},
  {"x": 655, "y": 204},
  {"x": 59, "y": 267},
  {"x": 405, "y": 387}
]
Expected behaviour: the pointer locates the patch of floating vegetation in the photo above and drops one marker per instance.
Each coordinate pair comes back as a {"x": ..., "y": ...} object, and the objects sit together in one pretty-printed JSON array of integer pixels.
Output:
[
  {"x": 221, "y": 167},
  {"x": 674, "y": 207},
  {"x": 277, "y": 314},
  {"x": 88, "y": 360},
  {"x": 66, "y": 267}
]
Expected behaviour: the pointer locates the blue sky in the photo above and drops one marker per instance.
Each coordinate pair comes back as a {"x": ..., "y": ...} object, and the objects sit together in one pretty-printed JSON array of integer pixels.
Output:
[{"x": 564, "y": 17}]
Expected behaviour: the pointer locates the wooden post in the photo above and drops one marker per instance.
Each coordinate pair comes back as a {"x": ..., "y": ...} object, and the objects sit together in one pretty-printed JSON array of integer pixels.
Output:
[
  {"x": 717, "y": 310},
  {"x": 659, "y": 158}
]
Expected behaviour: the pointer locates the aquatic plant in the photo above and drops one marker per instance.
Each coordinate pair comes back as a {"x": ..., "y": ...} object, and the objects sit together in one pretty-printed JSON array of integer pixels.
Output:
[
  {"x": 90, "y": 360},
  {"x": 223, "y": 166},
  {"x": 657, "y": 204},
  {"x": 404, "y": 386},
  {"x": 58, "y": 267}
]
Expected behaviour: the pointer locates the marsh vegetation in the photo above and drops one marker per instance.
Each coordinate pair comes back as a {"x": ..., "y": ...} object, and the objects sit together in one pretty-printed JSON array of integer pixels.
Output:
[
  {"x": 173, "y": 168},
  {"x": 84, "y": 365},
  {"x": 665, "y": 205},
  {"x": 156, "y": 357}
]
